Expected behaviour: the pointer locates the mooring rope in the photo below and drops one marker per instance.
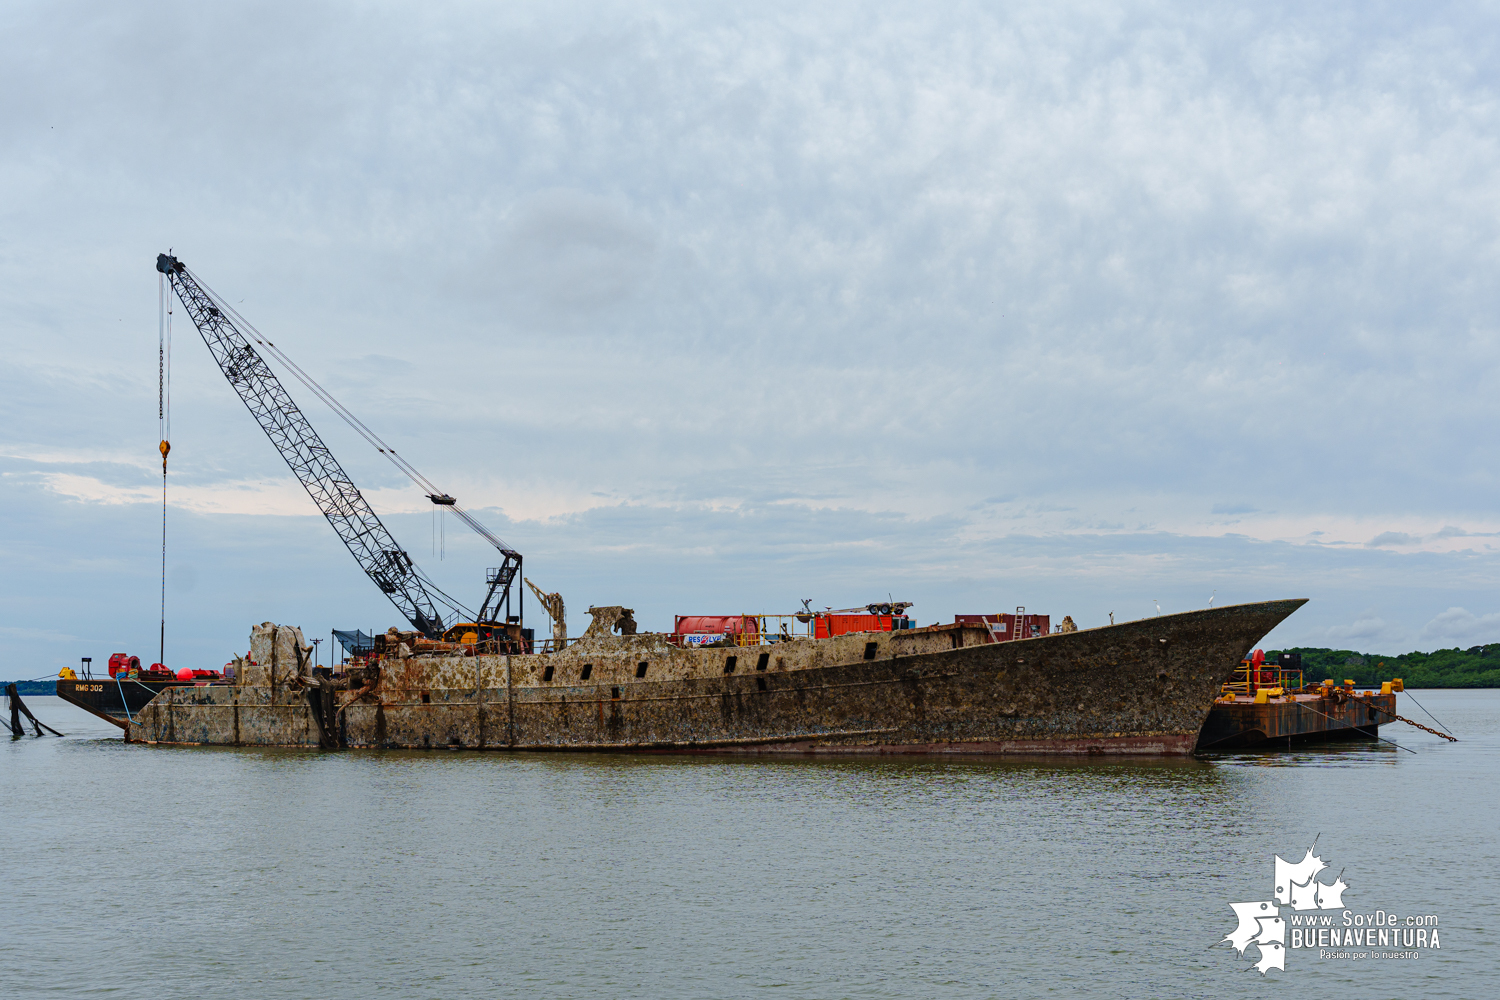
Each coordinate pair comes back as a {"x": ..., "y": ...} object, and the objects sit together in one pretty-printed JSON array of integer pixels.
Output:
[
  {"x": 1427, "y": 713},
  {"x": 123, "y": 703}
]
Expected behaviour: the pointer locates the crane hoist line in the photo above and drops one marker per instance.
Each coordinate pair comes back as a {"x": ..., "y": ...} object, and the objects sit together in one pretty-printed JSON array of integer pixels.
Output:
[{"x": 384, "y": 562}]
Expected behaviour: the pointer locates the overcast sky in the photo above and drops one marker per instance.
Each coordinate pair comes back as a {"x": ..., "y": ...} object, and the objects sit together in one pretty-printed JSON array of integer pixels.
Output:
[{"x": 706, "y": 310}]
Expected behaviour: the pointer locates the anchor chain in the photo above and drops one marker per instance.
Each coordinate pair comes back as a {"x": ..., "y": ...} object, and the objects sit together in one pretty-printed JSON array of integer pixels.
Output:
[{"x": 1402, "y": 718}]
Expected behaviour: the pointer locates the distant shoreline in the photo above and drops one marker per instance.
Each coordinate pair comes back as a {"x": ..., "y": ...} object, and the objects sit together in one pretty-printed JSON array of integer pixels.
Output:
[
  {"x": 32, "y": 688},
  {"x": 1475, "y": 667}
]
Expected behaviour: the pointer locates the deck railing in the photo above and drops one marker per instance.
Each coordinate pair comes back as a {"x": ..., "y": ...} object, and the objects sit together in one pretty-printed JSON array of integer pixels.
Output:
[{"x": 1249, "y": 678}]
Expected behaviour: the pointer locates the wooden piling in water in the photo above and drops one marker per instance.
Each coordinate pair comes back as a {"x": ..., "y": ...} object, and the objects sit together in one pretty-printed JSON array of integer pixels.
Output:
[
  {"x": 16, "y": 706},
  {"x": 15, "y": 711}
]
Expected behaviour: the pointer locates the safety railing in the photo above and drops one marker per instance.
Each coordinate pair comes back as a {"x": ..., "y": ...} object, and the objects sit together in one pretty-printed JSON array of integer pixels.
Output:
[{"x": 1249, "y": 678}]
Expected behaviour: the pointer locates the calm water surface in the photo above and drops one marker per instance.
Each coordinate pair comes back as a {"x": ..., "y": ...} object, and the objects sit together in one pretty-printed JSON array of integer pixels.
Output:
[{"x": 139, "y": 871}]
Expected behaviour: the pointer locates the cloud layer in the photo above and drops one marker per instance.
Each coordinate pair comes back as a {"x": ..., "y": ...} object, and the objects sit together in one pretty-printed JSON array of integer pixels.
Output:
[{"x": 1077, "y": 307}]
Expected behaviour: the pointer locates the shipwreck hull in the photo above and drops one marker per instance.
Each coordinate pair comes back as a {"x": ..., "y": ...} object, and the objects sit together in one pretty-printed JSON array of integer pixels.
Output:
[{"x": 1137, "y": 687}]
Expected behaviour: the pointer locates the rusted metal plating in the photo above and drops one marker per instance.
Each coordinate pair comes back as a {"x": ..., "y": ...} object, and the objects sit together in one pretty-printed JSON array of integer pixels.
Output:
[
  {"x": 1137, "y": 687},
  {"x": 1295, "y": 718}
]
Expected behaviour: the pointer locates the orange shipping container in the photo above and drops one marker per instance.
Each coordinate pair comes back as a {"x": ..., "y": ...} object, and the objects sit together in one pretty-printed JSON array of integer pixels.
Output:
[{"x": 827, "y": 626}]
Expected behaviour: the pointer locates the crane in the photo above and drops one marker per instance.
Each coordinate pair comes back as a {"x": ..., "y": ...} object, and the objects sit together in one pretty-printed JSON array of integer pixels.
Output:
[{"x": 383, "y": 560}]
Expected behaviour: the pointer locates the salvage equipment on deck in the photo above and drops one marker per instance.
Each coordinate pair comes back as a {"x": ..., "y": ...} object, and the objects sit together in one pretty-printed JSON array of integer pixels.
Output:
[
  {"x": 754, "y": 629},
  {"x": 129, "y": 686}
]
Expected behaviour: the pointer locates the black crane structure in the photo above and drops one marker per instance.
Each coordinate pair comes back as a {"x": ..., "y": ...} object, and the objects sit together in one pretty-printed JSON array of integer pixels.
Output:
[{"x": 330, "y": 487}]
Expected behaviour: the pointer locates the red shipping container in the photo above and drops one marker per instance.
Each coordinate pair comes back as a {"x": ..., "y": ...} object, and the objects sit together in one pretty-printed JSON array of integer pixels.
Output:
[
  {"x": 1003, "y": 628},
  {"x": 827, "y": 626}
]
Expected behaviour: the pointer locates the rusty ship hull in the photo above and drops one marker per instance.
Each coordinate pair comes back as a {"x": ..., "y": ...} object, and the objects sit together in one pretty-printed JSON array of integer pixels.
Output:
[{"x": 1142, "y": 687}]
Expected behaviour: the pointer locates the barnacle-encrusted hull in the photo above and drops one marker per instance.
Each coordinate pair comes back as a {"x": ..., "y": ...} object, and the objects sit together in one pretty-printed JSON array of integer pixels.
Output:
[{"x": 1137, "y": 687}]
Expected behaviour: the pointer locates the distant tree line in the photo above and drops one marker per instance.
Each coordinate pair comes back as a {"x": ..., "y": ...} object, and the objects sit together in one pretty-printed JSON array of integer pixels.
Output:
[{"x": 1475, "y": 667}]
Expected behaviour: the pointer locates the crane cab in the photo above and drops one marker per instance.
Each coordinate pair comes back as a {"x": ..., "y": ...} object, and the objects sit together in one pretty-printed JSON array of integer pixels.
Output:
[{"x": 490, "y": 637}]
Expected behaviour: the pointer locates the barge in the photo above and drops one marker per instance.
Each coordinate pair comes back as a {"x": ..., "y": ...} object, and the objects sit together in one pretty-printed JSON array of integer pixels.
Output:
[
  {"x": 1269, "y": 707},
  {"x": 1141, "y": 687},
  {"x": 127, "y": 689}
]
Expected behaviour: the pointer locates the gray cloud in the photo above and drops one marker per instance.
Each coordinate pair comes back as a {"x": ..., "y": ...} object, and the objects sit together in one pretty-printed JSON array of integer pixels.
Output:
[
  {"x": 1020, "y": 279},
  {"x": 1462, "y": 626},
  {"x": 1386, "y": 538},
  {"x": 1365, "y": 632},
  {"x": 562, "y": 258}
]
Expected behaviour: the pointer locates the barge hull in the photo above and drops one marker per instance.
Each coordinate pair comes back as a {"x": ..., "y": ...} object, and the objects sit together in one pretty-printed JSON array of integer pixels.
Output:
[
  {"x": 1295, "y": 719},
  {"x": 113, "y": 701}
]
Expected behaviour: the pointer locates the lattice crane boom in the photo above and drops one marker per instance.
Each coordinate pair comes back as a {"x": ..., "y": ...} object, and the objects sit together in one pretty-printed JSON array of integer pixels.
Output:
[{"x": 330, "y": 487}]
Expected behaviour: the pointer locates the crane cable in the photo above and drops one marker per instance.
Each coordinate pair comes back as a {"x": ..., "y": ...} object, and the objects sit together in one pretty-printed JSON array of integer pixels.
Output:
[
  {"x": 434, "y": 494},
  {"x": 164, "y": 431},
  {"x": 359, "y": 427},
  {"x": 451, "y": 602}
]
